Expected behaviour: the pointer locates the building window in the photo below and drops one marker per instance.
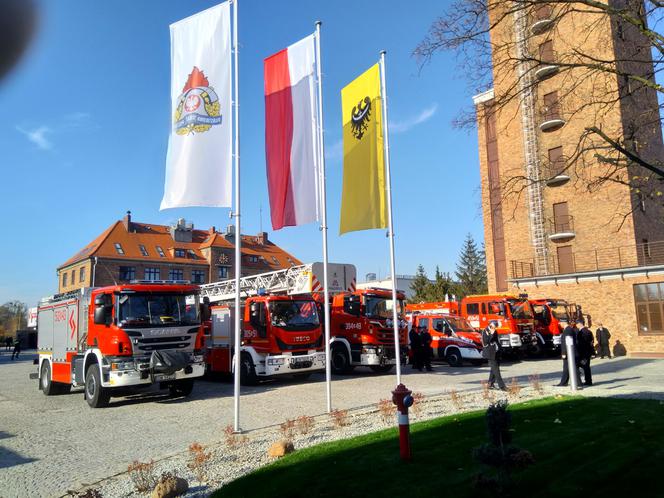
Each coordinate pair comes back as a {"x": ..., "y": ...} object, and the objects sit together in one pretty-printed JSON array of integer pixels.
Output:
[
  {"x": 81, "y": 274},
  {"x": 551, "y": 109},
  {"x": 73, "y": 277},
  {"x": 556, "y": 161},
  {"x": 160, "y": 251},
  {"x": 198, "y": 276},
  {"x": 619, "y": 30},
  {"x": 649, "y": 299},
  {"x": 179, "y": 253},
  {"x": 119, "y": 249},
  {"x": 143, "y": 250},
  {"x": 222, "y": 272},
  {"x": 276, "y": 261},
  {"x": 175, "y": 274},
  {"x": 646, "y": 248},
  {"x": 127, "y": 273},
  {"x": 252, "y": 259},
  {"x": 642, "y": 202},
  {"x": 152, "y": 274},
  {"x": 64, "y": 279},
  {"x": 546, "y": 52}
]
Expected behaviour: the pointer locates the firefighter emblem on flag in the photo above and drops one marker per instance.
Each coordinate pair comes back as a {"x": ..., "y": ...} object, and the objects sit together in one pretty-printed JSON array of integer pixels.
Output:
[
  {"x": 360, "y": 117},
  {"x": 198, "y": 106}
]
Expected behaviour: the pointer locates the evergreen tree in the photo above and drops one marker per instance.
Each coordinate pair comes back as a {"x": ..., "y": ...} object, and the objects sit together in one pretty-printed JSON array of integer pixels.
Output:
[
  {"x": 420, "y": 285},
  {"x": 471, "y": 269},
  {"x": 443, "y": 286}
]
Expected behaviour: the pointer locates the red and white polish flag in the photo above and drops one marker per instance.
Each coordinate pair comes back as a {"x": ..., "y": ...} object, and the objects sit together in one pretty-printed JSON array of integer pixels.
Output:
[{"x": 290, "y": 135}]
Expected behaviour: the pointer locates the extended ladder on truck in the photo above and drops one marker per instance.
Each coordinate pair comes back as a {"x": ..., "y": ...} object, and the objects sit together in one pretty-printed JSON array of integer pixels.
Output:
[{"x": 302, "y": 279}]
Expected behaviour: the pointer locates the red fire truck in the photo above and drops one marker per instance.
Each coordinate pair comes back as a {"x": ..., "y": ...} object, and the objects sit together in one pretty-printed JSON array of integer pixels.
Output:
[
  {"x": 551, "y": 318},
  {"x": 282, "y": 331},
  {"x": 108, "y": 339},
  {"x": 514, "y": 316},
  {"x": 362, "y": 331},
  {"x": 449, "y": 312}
]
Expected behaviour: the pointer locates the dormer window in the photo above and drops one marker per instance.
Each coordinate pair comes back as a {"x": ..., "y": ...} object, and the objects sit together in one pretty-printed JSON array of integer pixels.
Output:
[
  {"x": 179, "y": 253},
  {"x": 160, "y": 251},
  {"x": 252, "y": 259},
  {"x": 143, "y": 250},
  {"x": 276, "y": 261},
  {"x": 118, "y": 248},
  {"x": 192, "y": 254}
]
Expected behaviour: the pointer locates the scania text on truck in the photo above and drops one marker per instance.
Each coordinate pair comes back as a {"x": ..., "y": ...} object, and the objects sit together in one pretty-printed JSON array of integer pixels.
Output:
[
  {"x": 121, "y": 337},
  {"x": 453, "y": 339},
  {"x": 282, "y": 327},
  {"x": 362, "y": 331},
  {"x": 514, "y": 316}
]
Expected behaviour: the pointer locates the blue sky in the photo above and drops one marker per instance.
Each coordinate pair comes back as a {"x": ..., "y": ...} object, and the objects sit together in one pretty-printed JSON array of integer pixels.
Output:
[{"x": 86, "y": 120}]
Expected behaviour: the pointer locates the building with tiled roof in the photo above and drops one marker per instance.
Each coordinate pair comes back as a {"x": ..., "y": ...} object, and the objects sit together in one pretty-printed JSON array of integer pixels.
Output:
[{"x": 128, "y": 250}]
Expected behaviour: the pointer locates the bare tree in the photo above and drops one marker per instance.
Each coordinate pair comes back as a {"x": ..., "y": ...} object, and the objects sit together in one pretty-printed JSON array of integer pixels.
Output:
[{"x": 594, "y": 84}]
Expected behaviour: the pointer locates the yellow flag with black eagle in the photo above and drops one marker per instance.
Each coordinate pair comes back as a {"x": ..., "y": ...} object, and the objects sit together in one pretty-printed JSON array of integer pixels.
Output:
[{"x": 363, "y": 198}]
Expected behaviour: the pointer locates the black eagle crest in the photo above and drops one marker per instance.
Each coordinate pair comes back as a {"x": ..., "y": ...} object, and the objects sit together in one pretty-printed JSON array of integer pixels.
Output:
[{"x": 360, "y": 117}]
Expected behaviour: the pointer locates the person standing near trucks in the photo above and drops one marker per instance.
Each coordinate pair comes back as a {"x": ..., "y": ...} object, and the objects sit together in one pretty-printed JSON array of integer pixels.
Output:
[
  {"x": 490, "y": 352},
  {"x": 603, "y": 335},
  {"x": 414, "y": 338},
  {"x": 8, "y": 343},
  {"x": 17, "y": 349},
  {"x": 570, "y": 331},
  {"x": 586, "y": 351},
  {"x": 425, "y": 348}
]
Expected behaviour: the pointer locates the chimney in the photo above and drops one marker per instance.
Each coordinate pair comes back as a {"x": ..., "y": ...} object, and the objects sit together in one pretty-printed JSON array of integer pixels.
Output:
[
  {"x": 261, "y": 239},
  {"x": 182, "y": 231},
  {"x": 212, "y": 230},
  {"x": 230, "y": 233},
  {"x": 126, "y": 221}
]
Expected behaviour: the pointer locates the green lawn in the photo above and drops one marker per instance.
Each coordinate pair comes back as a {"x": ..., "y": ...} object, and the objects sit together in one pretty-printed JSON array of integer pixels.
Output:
[{"x": 602, "y": 447}]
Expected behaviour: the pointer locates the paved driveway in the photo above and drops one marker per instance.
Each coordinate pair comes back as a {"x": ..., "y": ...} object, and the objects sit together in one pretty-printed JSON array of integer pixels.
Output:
[{"x": 51, "y": 444}]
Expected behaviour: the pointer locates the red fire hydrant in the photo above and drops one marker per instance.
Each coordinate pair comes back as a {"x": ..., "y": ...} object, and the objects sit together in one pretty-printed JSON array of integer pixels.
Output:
[{"x": 401, "y": 397}]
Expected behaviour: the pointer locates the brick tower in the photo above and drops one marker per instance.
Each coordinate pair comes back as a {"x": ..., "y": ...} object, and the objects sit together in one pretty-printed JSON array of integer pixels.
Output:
[{"x": 552, "y": 211}]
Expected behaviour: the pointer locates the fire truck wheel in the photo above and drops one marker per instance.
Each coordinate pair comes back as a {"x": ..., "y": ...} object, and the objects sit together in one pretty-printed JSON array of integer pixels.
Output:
[
  {"x": 96, "y": 395},
  {"x": 248, "y": 375},
  {"x": 381, "y": 368},
  {"x": 340, "y": 360},
  {"x": 181, "y": 388},
  {"x": 453, "y": 357},
  {"x": 47, "y": 387}
]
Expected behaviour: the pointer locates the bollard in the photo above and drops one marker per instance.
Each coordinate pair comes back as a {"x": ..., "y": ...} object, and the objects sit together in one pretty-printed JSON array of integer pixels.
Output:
[
  {"x": 401, "y": 397},
  {"x": 571, "y": 363}
]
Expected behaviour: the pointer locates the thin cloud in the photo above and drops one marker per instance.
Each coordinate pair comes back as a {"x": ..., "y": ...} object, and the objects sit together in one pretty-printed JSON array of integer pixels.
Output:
[
  {"x": 38, "y": 136},
  {"x": 407, "y": 124}
]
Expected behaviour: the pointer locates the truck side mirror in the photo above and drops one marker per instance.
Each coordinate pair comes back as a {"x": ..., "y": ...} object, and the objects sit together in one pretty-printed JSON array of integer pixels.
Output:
[{"x": 205, "y": 309}]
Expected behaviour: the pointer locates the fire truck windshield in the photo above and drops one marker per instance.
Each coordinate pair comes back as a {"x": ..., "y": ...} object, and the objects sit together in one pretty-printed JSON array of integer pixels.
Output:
[
  {"x": 458, "y": 324},
  {"x": 294, "y": 315},
  {"x": 520, "y": 309},
  {"x": 380, "y": 307},
  {"x": 146, "y": 310},
  {"x": 559, "y": 310}
]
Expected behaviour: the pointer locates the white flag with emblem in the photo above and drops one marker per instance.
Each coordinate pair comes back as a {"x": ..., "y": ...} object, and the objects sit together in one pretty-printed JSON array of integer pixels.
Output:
[{"x": 199, "y": 158}]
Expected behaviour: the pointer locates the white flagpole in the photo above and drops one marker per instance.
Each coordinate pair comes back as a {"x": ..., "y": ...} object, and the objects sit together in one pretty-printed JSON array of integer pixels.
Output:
[
  {"x": 386, "y": 143},
  {"x": 323, "y": 200},
  {"x": 238, "y": 236}
]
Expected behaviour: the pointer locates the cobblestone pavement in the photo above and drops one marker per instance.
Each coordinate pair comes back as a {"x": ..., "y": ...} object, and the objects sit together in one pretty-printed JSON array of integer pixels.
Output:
[{"x": 51, "y": 444}]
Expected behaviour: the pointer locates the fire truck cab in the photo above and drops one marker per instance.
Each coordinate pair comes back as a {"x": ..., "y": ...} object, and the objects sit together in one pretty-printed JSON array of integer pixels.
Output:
[
  {"x": 551, "y": 318},
  {"x": 362, "y": 330},
  {"x": 514, "y": 316},
  {"x": 280, "y": 335},
  {"x": 109, "y": 339}
]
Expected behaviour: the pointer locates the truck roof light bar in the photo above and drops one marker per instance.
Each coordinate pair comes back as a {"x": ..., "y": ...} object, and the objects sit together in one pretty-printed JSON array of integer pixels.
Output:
[{"x": 161, "y": 282}]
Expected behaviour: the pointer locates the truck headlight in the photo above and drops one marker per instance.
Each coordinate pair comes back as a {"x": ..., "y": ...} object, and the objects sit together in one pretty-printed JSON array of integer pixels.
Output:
[
  {"x": 368, "y": 350},
  {"x": 122, "y": 365},
  {"x": 197, "y": 358},
  {"x": 275, "y": 361}
]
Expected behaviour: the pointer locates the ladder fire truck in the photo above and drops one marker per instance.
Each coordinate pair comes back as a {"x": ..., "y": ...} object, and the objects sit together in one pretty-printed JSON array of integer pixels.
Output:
[
  {"x": 110, "y": 339},
  {"x": 282, "y": 331}
]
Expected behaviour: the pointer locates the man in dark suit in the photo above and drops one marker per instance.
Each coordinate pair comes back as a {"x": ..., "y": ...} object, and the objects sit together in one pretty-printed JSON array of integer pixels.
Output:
[
  {"x": 586, "y": 351},
  {"x": 490, "y": 352},
  {"x": 603, "y": 335},
  {"x": 425, "y": 348},
  {"x": 415, "y": 347},
  {"x": 570, "y": 331}
]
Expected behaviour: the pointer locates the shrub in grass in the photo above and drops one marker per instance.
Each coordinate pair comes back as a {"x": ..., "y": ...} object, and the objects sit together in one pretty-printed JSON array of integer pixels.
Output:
[
  {"x": 514, "y": 388},
  {"x": 232, "y": 439},
  {"x": 418, "y": 401},
  {"x": 536, "y": 384},
  {"x": 198, "y": 459},
  {"x": 288, "y": 429},
  {"x": 499, "y": 456},
  {"x": 387, "y": 410},
  {"x": 339, "y": 418}
]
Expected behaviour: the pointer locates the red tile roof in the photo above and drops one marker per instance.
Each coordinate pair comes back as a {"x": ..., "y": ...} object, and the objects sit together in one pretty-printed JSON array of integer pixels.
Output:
[{"x": 271, "y": 256}]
